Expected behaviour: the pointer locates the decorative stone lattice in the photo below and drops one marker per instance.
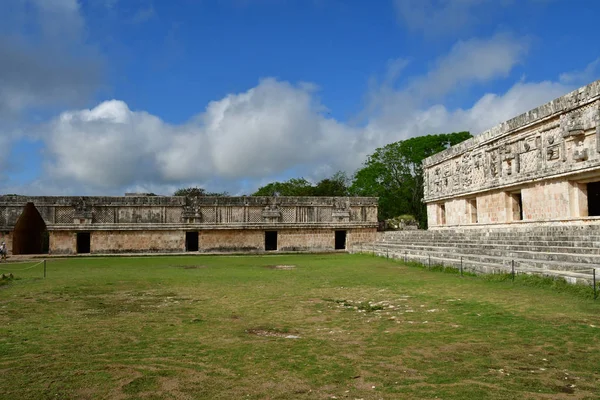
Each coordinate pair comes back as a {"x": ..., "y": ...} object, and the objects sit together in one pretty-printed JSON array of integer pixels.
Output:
[
  {"x": 103, "y": 215},
  {"x": 64, "y": 215}
]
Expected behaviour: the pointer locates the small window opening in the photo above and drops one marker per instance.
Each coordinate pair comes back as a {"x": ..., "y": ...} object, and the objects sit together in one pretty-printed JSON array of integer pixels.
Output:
[
  {"x": 340, "y": 240},
  {"x": 191, "y": 241},
  {"x": 83, "y": 242},
  {"x": 593, "y": 199},
  {"x": 270, "y": 240}
]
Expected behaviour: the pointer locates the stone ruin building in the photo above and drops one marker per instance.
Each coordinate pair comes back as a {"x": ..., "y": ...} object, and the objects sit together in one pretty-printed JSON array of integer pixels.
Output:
[
  {"x": 172, "y": 224},
  {"x": 525, "y": 192},
  {"x": 542, "y": 167}
]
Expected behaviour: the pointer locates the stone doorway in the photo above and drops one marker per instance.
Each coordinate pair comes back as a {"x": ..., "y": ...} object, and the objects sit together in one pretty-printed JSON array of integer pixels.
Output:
[
  {"x": 30, "y": 234},
  {"x": 593, "y": 199},
  {"x": 83, "y": 243},
  {"x": 270, "y": 240},
  {"x": 340, "y": 240},
  {"x": 191, "y": 241}
]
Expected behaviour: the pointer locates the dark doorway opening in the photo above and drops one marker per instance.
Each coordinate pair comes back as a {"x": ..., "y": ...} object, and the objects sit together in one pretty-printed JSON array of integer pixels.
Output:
[
  {"x": 270, "y": 240},
  {"x": 518, "y": 204},
  {"x": 593, "y": 198},
  {"x": 340, "y": 240},
  {"x": 83, "y": 242},
  {"x": 191, "y": 241},
  {"x": 30, "y": 235}
]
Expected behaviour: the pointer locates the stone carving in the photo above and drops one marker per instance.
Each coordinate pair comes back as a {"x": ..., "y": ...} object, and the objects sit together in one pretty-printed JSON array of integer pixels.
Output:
[
  {"x": 83, "y": 212},
  {"x": 548, "y": 140},
  {"x": 553, "y": 153},
  {"x": 580, "y": 152},
  {"x": 494, "y": 170},
  {"x": 341, "y": 210},
  {"x": 467, "y": 177},
  {"x": 272, "y": 212},
  {"x": 510, "y": 158},
  {"x": 572, "y": 124},
  {"x": 191, "y": 212}
]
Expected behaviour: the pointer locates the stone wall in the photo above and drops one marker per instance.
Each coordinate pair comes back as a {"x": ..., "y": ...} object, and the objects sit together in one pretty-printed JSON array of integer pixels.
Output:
[
  {"x": 137, "y": 241},
  {"x": 134, "y": 224},
  {"x": 218, "y": 240},
  {"x": 102, "y": 212},
  {"x": 533, "y": 167},
  {"x": 62, "y": 242}
]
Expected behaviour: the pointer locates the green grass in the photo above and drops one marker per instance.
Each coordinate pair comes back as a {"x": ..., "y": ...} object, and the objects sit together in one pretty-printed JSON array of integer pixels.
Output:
[{"x": 344, "y": 326}]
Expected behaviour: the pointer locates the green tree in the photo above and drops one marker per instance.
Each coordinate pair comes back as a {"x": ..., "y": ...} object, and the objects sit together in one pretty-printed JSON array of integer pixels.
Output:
[
  {"x": 196, "y": 192},
  {"x": 394, "y": 174},
  {"x": 337, "y": 185},
  {"x": 292, "y": 187}
]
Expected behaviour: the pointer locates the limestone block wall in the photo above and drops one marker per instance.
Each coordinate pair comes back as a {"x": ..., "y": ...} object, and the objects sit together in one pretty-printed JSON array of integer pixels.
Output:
[
  {"x": 312, "y": 239},
  {"x": 136, "y": 241},
  {"x": 492, "y": 208},
  {"x": 221, "y": 240},
  {"x": 358, "y": 237},
  {"x": 533, "y": 167},
  {"x": 546, "y": 200},
  {"x": 62, "y": 242}
]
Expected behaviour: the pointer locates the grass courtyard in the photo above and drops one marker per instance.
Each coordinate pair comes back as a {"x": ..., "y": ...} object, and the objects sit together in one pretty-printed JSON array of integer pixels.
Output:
[{"x": 289, "y": 327}]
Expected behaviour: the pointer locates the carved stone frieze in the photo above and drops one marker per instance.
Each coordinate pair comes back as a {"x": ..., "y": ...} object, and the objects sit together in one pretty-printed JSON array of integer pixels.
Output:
[
  {"x": 83, "y": 212},
  {"x": 192, "y": 212},
  {"x": 272, "y": 212},
  {"x": 554, "y": 139}
]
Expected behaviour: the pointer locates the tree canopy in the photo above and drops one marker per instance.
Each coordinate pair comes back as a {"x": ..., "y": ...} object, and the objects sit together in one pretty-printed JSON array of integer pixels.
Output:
[
  {"x": 394, "y": 174},
  {"x": 336, "y": 185},
  {"x": 196, "y": 192}
]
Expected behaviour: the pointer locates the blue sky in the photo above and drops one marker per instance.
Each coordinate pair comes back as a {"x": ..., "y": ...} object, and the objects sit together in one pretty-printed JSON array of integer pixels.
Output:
[{"x": 108, "y": 96}]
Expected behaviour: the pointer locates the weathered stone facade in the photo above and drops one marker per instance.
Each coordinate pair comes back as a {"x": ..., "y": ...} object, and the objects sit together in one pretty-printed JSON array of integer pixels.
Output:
[
  {"x": 132, "y": 224},
  {"x": 541, "y": 167}
]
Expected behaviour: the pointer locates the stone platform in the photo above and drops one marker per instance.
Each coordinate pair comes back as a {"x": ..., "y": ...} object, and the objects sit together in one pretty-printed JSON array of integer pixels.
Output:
[{"x": 570, "y": 252}]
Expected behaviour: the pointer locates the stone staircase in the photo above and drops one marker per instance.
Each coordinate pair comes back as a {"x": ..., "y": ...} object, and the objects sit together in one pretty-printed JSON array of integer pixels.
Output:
[{"x": 570, "y": 252}]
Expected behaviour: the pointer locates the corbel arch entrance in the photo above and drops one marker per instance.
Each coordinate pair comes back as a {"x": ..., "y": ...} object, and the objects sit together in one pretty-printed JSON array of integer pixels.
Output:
[{"x": 30, "y": 235}]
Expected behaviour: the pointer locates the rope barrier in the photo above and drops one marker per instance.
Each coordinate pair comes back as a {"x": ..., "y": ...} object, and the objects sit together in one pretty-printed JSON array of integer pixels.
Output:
[{"x": 21, "y": 269}]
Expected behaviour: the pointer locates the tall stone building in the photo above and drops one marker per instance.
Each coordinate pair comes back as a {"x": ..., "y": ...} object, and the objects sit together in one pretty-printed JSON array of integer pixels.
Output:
[
  {"x": 541, "y": 168},
  {"x": 135, "y": 223}
]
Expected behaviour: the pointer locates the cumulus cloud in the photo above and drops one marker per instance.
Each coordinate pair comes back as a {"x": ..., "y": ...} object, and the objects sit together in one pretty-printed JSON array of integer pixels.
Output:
[
  {"x": 272, "y": 127},
  {"x": 49, "y": 65},
  {"x": 278, "y": 129}
]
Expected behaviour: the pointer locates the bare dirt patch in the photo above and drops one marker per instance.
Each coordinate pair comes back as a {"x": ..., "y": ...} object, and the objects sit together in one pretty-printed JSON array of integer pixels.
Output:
[
  {"x": 281, "y": 267},
  {"x": 266, "y": 332}
]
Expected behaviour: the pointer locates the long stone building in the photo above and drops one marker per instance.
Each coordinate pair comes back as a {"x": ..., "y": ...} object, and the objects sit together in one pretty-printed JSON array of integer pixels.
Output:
[
  {"x": 141, "y": 223},
  {"x": 540, "y": 167}
]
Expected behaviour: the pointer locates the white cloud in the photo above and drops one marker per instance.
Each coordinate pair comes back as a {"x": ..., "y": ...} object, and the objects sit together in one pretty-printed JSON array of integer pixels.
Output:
[
  {"x": 589, "y": 73},
  {"x": 272, "y": 127},
  {"x": 43, "y": 60},
  {"x": 276, "y": 128},
  {"x": 435, "y": 17},
  {"x": 472, "y": 61}
]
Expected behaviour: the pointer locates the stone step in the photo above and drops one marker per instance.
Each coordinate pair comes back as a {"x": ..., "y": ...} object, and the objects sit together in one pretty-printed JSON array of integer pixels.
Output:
[
  {"x": 521, "y": 246},
  {"x": 492, "y": 255},
  {"x": 515, "y": 242},
  {"x": 557, "y": 262},
  {"x": 572, "y": 276}
]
